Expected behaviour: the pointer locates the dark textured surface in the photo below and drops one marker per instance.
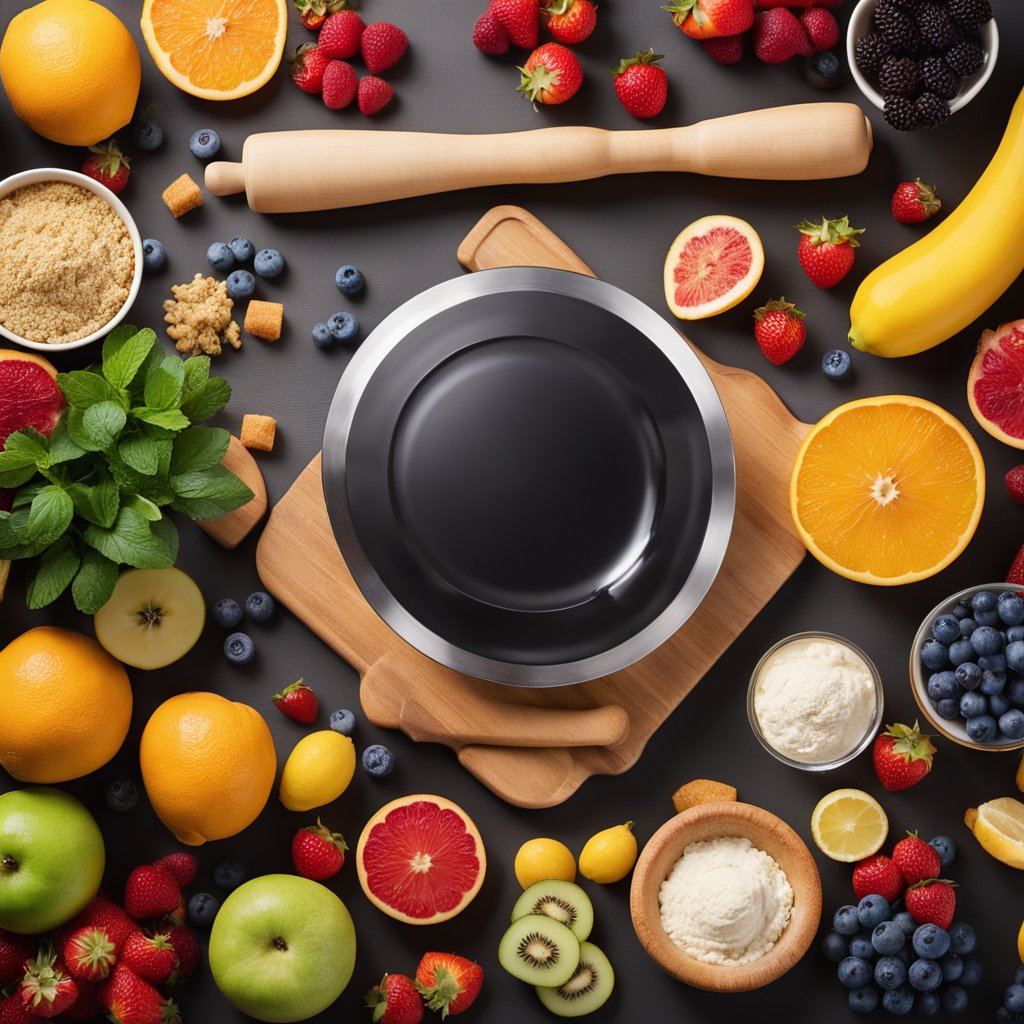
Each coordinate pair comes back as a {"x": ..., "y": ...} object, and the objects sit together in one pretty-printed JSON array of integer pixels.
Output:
[{"x": 621, "y": 227}]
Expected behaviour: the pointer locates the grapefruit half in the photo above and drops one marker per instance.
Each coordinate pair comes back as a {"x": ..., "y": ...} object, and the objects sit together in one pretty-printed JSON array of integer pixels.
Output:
[
  {"x": 995, "y": 386},
  {"x": 420, "y": 859},
  {"x": 29, "y": 396},
  {"x": 713, "y": 264}
]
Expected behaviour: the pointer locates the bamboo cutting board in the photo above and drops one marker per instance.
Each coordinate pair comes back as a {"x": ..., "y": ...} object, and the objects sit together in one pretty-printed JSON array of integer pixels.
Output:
[{"x": 534, "y": 747}]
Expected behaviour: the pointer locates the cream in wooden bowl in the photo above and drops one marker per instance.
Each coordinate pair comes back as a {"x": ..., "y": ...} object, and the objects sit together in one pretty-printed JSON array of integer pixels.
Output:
[{"x": 726, "y": 897}]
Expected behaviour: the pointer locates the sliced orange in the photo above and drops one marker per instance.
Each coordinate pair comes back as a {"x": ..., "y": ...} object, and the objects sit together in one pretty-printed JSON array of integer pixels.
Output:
[
  {"x": 216, "y": 49},
  {"x": 887, "y": 490}
]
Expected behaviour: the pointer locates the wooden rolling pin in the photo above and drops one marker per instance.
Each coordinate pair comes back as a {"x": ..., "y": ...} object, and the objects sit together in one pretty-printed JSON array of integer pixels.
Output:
[{"x": 289, "y": 172}]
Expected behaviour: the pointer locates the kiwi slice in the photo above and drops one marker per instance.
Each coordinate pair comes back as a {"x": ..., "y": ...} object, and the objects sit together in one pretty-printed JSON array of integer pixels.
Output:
[
  {"x": 539, "y": 951},
  {"x": 589, "y": 987},
  {"x": 564, "y": 902}
]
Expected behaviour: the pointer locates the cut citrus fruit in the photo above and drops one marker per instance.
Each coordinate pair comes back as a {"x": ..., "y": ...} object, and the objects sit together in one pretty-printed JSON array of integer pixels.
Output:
[
  {"x": 216, "y": 49},
  {"x": 999, "y": 826},
  {"x": 713, "y": 264},
  {"x": 849, "y": 825},
  {"x": 887, "y": 490},
  {"x": 29, "y": 397},
  {"x": 995, "y": 386},
  {"x": 420, "y": 859}
]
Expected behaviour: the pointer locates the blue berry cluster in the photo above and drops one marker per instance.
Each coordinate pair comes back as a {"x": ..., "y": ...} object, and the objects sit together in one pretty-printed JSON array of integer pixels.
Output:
[
  {"x": 239, "y": 648},
  {"x": 227, "y": 257},
  {"x": 343, "y": 326},
  {"x": 976, "y": 659},
  {"x": 1012, "y": 1010}
]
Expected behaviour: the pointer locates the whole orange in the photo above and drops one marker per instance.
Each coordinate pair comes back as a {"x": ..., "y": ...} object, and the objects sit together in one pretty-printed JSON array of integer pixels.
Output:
[
  {"x": 71, "y": 70},
  {"x": 208, "y": 765},
  {"x": 65, "y": 705}
]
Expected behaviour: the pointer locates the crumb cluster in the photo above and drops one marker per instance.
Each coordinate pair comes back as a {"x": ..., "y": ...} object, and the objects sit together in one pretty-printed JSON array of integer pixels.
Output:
[{"x": 199, "y": 317}]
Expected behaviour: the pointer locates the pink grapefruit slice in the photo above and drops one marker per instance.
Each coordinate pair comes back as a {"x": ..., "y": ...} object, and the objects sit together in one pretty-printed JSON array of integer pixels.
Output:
[
  {"x": 995, "y": 386},
  {"x": 420, "y": 859},
  {"x": 29, "y": 396},
  {"x": 713, "y": 264}
]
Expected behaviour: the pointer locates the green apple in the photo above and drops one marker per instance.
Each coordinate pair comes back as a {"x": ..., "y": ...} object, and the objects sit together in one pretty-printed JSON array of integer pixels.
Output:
[
  {"x": 51, "y": 859},
  {"x": 282, "y": 948}
]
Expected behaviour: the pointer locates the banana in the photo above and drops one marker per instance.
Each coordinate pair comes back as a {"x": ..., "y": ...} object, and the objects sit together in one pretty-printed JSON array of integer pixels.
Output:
[{"x": 940, "y": 284}]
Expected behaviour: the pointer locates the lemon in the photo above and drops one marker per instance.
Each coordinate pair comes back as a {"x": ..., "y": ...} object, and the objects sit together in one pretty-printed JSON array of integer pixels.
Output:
[
  {"x": 999, "y": 826},
  {"x": 1020, "y": 775},
  {"x": 1020, "y": 943},
  {"x": 849, "y": 825},
  {"x": 610, "y": 855},
  {"x": 318, "y": 770},
  {"x": 541, "y": 859}
]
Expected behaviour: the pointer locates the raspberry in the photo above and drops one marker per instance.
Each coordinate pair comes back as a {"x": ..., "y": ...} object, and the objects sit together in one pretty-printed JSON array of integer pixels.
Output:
[
  {"x": 870, "y": 51},
  {"x": 932, "y": 110},
  {"x": 935, "y": 25},
  {"x": 965, "y": 58},
  {"x": 937, "y": 77},
  {"x": 900, "y": 112},
  {"x": 898, "y": 76},
  {"x": 969, "y": 13}
]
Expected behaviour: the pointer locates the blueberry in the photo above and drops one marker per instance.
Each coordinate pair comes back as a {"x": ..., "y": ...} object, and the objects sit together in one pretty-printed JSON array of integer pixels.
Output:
[
  {"x": 259, "y": 606},
  {"x": 988, "y": 618},
  {"x": 204, "y": 144},
  {"x": 1013, "y": 999},
  {"x": 973, "y": 704},
  {"x": 972, "y": 970},
  {"x": 343, "y": 326},
  {"x": 982, "y": 729},
  {"x": 202, "y": 909},
  {"x": 962, "y": 938},
  {"x": 906, "y": 922},
  {"x": 154, "y": 255},
  {"x": 1011, "y": 724},
  {"x": 268, "y": 263},
  {"x": 943, "y": 685},
  {"x": 220, "y": 257},
  {"x": 860, "y": 946},
  {"x": 898, "y": 1001},
  {"x": 854, "y": 972},
  {"x": 147, "y": 136},
  {"x": 845, "y": 921},
  {"x": 992, "y": 681},
  {"x": 872, "y": 910},
  {"x": 946, "y": 629},
  {"x": 926, "y": 1003},
  {"x": 961, "y": 610},
  {"x": 1010, "y": 608},
  {"x": 998, "y": 705},
  {"x": 968, "y": 675},
  {"x": 948, "y": 709},
  {"x": 834, "y": 947},
  {"x": 240, "y": 284},
  {"x": 1015, "y": 654},
  {"x": 992, "y": 661},
  {"x": 229, "y": 874},
  {"x": 952, "y": 967},
  {"x": 934, "y": 654},
  {"x": 924, "y": 975},
  {"x": 322, "y": 336},
  {"x": 835, "y": 363},
  {"x": 888, "y": 938},
  {"x": 227, "y": 613},
  {"x": 930, "y": 942},
  {"x": 890, "y": 973},
  {"x": 121, "y": 794},
  {"x": 864, "y": 1000},
  {"x": 378, "y": 761},
  {"x": 986, "y": 640},
  {"x": 239, "y": 649},
  {"x": 822, "y": 72},
  {"x": 954, "y": 999},
  {"x": 984, "y": 601},
  {"x": 1014, "y": 633},
  {"x": 945, "y": 848},
  {"x": 344, "y": 721},
  {"x": 350, "y": 281},
  {"x": 961, "y": 651},
  {"x": 1016, "y": 692},
  {"x": 243, "y": 249},
  {"x": 967, "y": 627}
]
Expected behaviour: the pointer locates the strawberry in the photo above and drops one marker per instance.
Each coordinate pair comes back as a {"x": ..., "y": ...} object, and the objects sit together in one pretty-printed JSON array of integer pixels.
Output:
[
  {"x": 914, "y": 201},
  {"x": 877, "y": 874},
  {"x": 150, "y": 892},
  {"x": 520, "y": 19},
  {"x": 308, "y": 67},
  {"x": 151, "y": 959},
  {"x": 89, "y": 954},
  {"x": 373, "y": 95},
  {"x": 382, "y": 46},
  {"x": 317, "y": 852},
  {"x": 725, "y": 49},
  {"x": 131, "y": 1000},
  {"x": 182, "y": 867},
  {"x": 186, "y": 947},
  {"x": 821, "y": 27},
  {"x": 313, "y": 12},
  {"x": 779, "y": 36},
  {"x": 489, "y": 35},
  {"x": 340, "y": 35},
  {"x": 46, "y": 987},
  {"x": 14, "y": 951},
  {"x": 931, "y": 901},
  {"x": 915, "y": 859},
  {"x": 395, "y": 1001},
  {"x": 826, "y": 250},
  {"x": 779, "y": 330},
  {"x": 86, "y": 1007},
  {"x": 14, "y": 1011},
  {"x": 1015, "y": 574},
  {"x": 1015, "y": 483},
  {"x": 102, "y": 914},
  {"x": 570, "y": 21},
  {"x": 341, "y": 83},
  {"x": 448, "y": 983},
  {"x": 551, "y": 75},
  {"x": 297, "y": 701},
  {"x": 706, "y": 19},
  {"x": 902, "y": 756},
  {"x": 641, "y": 87},
  {"x": 108, "y": 165}
]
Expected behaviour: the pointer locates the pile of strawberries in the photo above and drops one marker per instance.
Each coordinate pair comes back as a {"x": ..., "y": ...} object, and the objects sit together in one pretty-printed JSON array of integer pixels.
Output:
[
  {"x": 323, "y": 68},
  {"x": 444, "y": 982},
  {"x": 108, "y": 959}
]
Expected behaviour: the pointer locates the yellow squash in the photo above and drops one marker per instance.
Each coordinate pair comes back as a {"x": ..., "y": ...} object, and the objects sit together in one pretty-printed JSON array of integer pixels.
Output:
[{"x": 940, "y": 284}]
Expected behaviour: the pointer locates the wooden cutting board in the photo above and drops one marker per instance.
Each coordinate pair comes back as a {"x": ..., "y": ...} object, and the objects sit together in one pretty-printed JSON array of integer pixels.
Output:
[{"x": 534, "y": 747}]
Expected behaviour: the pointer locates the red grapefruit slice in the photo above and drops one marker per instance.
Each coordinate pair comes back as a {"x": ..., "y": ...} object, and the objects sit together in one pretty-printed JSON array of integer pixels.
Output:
[
  {"x": 713, "y": 264},
  {"x": 420, "y": 859},
  {"x": 995, "y": 387},
  {"x": 29, "y": 396}
]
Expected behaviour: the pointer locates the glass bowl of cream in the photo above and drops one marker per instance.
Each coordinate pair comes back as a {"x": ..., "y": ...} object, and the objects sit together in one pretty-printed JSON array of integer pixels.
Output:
[{"x": 815, "y": 701}]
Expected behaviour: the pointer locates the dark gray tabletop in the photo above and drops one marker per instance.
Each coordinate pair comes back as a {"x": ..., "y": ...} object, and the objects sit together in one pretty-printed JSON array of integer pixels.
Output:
[{"x": 622, "y": 227}]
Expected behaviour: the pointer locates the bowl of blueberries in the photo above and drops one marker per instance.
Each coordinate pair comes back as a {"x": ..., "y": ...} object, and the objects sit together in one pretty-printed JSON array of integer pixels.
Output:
[{"x": 967, "y": 667}]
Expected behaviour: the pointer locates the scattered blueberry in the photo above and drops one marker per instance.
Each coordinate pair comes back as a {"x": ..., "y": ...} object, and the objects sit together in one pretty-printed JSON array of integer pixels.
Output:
[
  {"x": 1013, "y": 999},
  {"x": 954, "y": 999},
  {"x": 926, "y": 1003},
  {"x": 344, "y": 721},
  {"x": 205, "y": 144},
  {"x": 121, "y": 794},
  {"x": 229, "y": 874},
  {"x": 946, "y": 629},
  {"x": 1011, "y": 724},
  {"x": 888, "y": 938},
  {"x": 948, "y": 709},
  {"x": 935, "y": 654},
  {"x": 239, "y": 649},
  {"x": 220, "y": 257},
  {"x": 147, "y": 136},
  {"x": 268, "y": 263},
  {"x": 952, "y": 967},
  {"x": 864, "y": 1000},
  {"x": 968, "y": 675},
  {"x": 243, "y": 249},
  {"x": 1010, "y": 608},
  {"x": 924, "y": 975},
  {"x": 945, "y": 848},
  {"x": 906, "y": 922},
  {"x": 992, "y": 681},
  {"x": 378, "y": 761},
  {"x": 845, "y": 922},
  {"x": 982, "y": 729},
  {"x": 350, "y": 281},
  {"x": 822, "y": 71},
  {"x": 973, "y": 704},
  {"x": 227, "y": 613},
  {"x": 986, "y": 640},
  {"x": 154, "y": 255},
  {"x": 240, "y": 284},
  {"x": 322, "y": 336},
  {"x": 943, "y": 685},
  {"x": 835, "y": 364},
  {"x": 854, "y": 972},
  {"x": 202, "y": 909},
  {"x": 890, "y": 972},
  {"x": 962, "y": 938},
  {"x": 930, "y": 941},
  {"x": 898, "y": 1001},
  {"x": 860, "y": 946},
  {"x": 984, "y": 601},
  {"x": 343, "y": 326},
  {"x": 872, "y": 910},
  {"x": 972, "y": 972},
  {"x": 259, "y": 606}
]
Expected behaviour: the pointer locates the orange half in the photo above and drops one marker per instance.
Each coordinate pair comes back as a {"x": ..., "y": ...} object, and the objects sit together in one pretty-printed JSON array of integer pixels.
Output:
[
  {"x": 887, "y": 490},
  {"x": 216, "y": 49}
]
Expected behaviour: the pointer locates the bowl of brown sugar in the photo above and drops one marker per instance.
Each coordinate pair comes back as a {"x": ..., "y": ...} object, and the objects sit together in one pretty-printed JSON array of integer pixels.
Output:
[{"x": 70, "y": 259}]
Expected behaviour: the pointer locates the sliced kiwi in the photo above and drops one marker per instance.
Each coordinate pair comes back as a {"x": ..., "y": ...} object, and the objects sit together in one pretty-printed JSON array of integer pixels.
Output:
[
  {"x": 539, "y": 951},
  {"x": 589, "y": 987},
  {"x": 564, "y": 902}
]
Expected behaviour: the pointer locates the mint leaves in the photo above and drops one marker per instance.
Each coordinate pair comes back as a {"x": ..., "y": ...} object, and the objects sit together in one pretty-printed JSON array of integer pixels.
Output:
[{"x": 90, "y": 498}]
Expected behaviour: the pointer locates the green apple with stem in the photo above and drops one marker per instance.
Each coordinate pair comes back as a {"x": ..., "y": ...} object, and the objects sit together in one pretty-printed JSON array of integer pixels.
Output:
[
  {"x": 51, "y": 859},
  {"x": 282, "y": 948}
]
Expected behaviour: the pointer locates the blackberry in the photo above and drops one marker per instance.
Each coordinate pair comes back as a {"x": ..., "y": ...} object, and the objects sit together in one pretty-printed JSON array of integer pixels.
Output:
[
  {"x": 937, "y": 77},
  {"x": 870, "y": 51},
  {"x": 899, "y": 29},
  {"x": 969, "y": 13},
  {"x": 898, "y": 76},
  {"x": 932, "y": 110},
  {"x": 935, "y": 25},
  {"x": 965, "y": 58},
  {"x": 900, "y": 112}
]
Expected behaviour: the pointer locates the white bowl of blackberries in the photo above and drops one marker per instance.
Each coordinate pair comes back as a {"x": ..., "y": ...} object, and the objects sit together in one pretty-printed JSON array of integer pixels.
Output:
[
  {"x": 967, "y": 667},
  {"x": 919, "y": 61}
]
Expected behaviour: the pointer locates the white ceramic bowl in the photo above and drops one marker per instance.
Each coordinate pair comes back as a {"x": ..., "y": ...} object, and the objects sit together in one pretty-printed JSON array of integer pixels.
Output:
[
  {"x": 860, "y": 25},
  {"x": 41, "y": 174}
]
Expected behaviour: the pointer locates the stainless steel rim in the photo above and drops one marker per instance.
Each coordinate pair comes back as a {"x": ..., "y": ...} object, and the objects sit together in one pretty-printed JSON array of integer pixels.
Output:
[{"x": 418, "y": 310}]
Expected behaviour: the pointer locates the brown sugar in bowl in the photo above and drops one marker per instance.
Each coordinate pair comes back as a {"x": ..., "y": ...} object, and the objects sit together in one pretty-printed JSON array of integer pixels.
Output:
[{"x": 764, "y": 831}]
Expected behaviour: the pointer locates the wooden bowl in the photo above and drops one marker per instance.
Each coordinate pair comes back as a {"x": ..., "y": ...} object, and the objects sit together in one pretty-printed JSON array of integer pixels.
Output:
[{"x": 766, "y": 832}]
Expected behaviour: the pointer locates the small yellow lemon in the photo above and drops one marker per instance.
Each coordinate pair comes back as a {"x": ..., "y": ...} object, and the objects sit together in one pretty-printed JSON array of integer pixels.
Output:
[
  {"x": 1020, "y": 943},
  {"x": 541, "y": 859},
  {"x": 848, "y": 825},
  {"x": 999, "y": 826},
  {"x": 610, "y": 855},
  {"x": 318, "y": 770},
  {"x": 1020, "y": 775}
]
